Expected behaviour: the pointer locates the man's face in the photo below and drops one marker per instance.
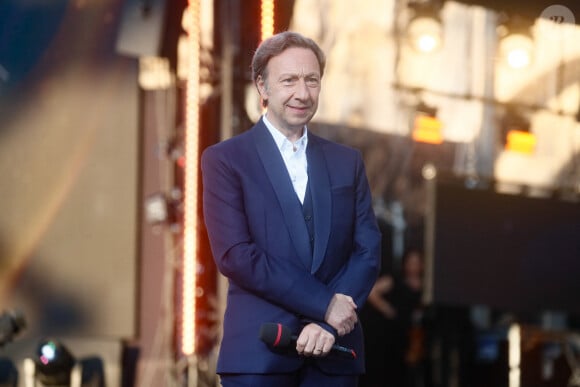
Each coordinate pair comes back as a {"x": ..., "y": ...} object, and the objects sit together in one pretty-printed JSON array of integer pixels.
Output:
[{"x": 291, "y": 89}]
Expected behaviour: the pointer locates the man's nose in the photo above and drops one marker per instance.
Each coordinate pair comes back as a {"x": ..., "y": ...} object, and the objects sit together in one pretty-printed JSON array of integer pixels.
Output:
[{"x": 301, "y": 91}]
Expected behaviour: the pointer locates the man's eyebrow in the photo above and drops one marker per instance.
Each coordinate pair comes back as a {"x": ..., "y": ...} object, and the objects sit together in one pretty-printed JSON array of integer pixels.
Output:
[{"x": 311, "y": 74}]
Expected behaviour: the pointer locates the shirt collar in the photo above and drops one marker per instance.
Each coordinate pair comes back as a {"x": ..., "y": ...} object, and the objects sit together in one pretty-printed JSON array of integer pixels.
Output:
[{"x": 281, "y": 140}]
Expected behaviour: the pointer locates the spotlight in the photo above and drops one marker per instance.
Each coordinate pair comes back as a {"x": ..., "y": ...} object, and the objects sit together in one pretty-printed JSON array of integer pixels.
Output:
[
  {"x": 427, "y": 127},
  {"x": 516, "y": 135},
  {"x": 516, "y": 50},
  {"x": 516, "y": 45},
  {"x": 425, "y": 30},
  {"x": 53, "y": 363},
  {"x": 163, "y": 209},
  {"x": 156, "y": 208}
]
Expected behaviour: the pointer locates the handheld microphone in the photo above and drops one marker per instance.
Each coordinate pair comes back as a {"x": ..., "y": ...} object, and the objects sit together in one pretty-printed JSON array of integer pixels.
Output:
[
  {"x": 277, "y": 335},
  {"x": 11, "y": 323}
]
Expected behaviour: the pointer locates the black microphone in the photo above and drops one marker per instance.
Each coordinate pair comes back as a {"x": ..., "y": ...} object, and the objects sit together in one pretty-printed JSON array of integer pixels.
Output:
[
  {"x": 11, "y": 323},
  {"x": 277, "y": 335}
]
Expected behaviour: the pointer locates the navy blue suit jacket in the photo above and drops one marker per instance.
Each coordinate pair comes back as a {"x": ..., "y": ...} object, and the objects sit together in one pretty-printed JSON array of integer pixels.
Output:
[{"x": 260, "y": 242}]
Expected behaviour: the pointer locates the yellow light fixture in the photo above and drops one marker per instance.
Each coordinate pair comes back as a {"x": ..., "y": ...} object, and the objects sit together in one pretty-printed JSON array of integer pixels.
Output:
[
  {"x": 427, "y": 129},
  {"x": 516, "y": 133},
  {"x": 521, "y": 142},
  {"x": 266, "y": 19}
]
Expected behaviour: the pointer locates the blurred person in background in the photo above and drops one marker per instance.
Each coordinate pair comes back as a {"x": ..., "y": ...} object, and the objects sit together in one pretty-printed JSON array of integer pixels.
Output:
[{"x": 391, "y": 320}]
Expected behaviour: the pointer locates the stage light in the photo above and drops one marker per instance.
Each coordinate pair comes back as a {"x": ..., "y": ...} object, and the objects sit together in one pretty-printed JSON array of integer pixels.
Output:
[
  {"x": 425, "y": 30},
  {"x": 514, "y": 355},
  {"x": 516, "y": 50},
  {"x": 267, "y": 19},
  {"x": 521, "y": 142},
  {"x": 53, "y": 363},
  {"x": 191, "y": 179},
  {"x": 156, "y": 209},
  {"x": 516, "y": 134},
  {"x": 516, "y": 45},
  {"x": 425, "y": 34},
  {"x": 426, "y": 126}
]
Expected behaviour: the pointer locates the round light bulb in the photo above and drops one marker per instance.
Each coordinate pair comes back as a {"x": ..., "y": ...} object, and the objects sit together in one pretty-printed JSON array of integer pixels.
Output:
[
  {"x": 516, "y": 50},
  {"x": 425, "y": 34}
]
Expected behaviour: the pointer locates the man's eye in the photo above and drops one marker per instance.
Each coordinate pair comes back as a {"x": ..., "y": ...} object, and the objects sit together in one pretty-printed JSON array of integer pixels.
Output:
[{"x": 312, "y": 81}]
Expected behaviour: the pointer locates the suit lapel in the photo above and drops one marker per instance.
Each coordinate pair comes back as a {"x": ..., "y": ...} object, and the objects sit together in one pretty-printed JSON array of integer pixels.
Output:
[
  {"x": 319, "y": 183},
  {"x": 289, "y": 203}
]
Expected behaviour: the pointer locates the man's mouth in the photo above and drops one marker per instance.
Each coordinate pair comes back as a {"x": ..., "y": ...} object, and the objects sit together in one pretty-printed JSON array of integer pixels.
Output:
[{"x": 300, "y": 108}]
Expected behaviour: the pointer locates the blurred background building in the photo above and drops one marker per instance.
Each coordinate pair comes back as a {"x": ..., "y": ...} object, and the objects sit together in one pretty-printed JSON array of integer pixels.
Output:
[{"x": 467, "y": 113}]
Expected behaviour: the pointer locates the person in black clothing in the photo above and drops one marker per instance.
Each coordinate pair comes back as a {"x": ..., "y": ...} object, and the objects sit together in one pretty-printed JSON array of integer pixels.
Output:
[{"x": 391, "y": 311}]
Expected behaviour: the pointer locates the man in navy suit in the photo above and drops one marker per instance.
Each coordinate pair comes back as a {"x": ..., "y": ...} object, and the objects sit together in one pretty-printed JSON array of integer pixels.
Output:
[{"x": 291, "y": 226}]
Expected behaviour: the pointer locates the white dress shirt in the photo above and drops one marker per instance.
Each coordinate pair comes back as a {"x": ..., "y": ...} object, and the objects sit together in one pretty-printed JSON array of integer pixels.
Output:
[{"x": 294, "y": 156}]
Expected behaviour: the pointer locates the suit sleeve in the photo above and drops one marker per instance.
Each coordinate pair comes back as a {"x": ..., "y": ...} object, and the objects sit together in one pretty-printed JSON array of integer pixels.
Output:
[
  {"x": 359, "y": 273},
  {"x": 279, "y": 281}
]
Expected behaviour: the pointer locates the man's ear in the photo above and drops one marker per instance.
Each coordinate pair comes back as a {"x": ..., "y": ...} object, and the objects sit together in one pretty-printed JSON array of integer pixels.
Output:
[{"x": 262, "y": 87}]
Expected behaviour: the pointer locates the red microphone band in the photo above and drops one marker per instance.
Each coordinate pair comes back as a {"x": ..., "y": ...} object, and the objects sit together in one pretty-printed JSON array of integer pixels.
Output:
[{"x": 278, "y": 336}]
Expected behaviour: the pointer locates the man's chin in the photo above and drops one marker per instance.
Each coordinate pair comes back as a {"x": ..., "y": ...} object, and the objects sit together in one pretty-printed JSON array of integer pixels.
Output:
[{"x": 301, "y": 120}]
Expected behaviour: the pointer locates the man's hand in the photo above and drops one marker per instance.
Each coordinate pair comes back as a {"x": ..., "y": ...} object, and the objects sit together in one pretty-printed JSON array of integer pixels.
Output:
[
  {"x": 341, "y": 314},
  {"x": 314, "y": 341}
]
